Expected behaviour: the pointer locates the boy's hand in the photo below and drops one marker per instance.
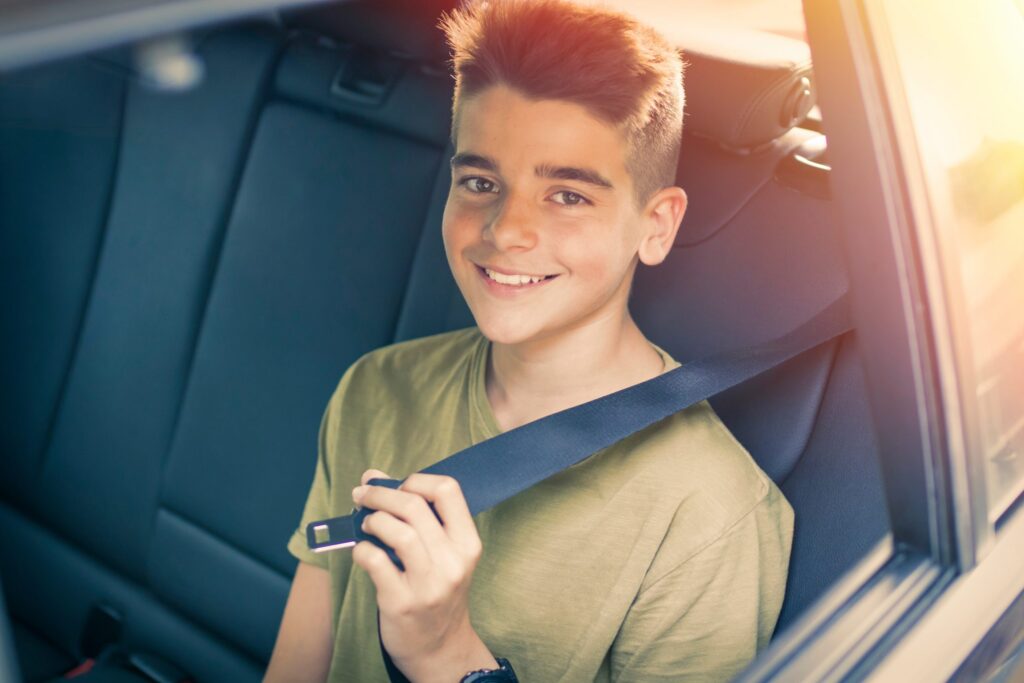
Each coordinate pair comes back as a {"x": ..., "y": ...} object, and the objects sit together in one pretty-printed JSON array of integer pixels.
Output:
[{"x": 424, "y": 611}]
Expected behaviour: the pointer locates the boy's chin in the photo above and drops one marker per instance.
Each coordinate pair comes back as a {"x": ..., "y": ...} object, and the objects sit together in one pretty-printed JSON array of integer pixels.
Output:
[{"x": 506, "y": 331}]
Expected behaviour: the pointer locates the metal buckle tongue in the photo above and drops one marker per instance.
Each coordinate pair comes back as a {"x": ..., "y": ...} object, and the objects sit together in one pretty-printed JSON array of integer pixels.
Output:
[
  {"x": 331, "y": 534},
  {"x": 346, "y": 531}
]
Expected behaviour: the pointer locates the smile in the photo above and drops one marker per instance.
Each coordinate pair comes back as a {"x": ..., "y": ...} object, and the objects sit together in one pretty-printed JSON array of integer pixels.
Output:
[{"x": 500, "y": 282}]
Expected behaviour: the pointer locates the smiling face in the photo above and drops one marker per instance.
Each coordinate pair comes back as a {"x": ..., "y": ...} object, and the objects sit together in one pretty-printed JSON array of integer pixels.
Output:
[{"x": 540, "y": 188}]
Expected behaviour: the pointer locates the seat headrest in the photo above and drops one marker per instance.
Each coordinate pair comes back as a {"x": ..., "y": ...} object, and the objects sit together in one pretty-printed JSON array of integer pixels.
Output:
[
  {"x": 399, "y": 26},
  {"x": 745, "y": 88}
]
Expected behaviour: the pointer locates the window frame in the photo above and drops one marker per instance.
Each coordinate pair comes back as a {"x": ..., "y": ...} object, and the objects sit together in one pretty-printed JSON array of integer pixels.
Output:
[
  {"x": 946, "y": 295},
  {"x": 884, "y": 619},
  {"x": 974, "y": 612},
  {"x": 909, "y": 371},
  {"x": 950, "y": 318}
]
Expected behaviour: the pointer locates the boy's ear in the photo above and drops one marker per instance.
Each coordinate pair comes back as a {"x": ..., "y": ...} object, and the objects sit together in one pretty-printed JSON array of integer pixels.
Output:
[{"x": 661, "y": 217}]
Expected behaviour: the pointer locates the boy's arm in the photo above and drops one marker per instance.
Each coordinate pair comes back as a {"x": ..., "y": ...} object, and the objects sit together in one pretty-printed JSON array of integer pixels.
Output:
[
  {"x": 706, "y": 618},
  {"x": 305, "y": 640}
]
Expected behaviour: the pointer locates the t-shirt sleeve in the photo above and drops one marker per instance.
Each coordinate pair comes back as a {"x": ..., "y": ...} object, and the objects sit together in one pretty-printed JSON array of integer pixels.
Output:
[
  {"x": 318, "y": 500},
  {"x": 706, "y": 618}
]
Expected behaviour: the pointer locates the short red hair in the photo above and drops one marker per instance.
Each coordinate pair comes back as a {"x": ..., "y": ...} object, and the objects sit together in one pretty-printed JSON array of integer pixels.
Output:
[{"x": 622, "y": 71}]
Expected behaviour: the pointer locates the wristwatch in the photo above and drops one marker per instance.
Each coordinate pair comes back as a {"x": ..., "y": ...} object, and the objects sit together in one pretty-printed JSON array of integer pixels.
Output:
[{"x": 503, "y": 674}]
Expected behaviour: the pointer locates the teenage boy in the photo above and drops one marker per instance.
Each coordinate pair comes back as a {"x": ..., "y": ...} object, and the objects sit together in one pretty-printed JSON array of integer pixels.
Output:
[{"x": 662, "y": 557}]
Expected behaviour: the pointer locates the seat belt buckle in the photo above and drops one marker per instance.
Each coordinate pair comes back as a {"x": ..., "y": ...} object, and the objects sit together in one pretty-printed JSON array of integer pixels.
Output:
[
  {"x": 331, "y": 534},
  {"x": 344, "y": 532}
]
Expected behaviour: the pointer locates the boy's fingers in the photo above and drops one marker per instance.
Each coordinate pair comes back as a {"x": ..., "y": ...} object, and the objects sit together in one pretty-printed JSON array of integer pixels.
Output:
[
  {"x": 383, "y": 572},
  {"x": 401, "y": 536},
  {"x": 411, "y": 509},
  {"x": 446, "y": 495}
]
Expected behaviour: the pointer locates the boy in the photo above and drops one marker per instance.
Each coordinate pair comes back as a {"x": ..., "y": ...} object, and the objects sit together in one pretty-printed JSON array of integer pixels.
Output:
[{"x": 662, "y": 557}]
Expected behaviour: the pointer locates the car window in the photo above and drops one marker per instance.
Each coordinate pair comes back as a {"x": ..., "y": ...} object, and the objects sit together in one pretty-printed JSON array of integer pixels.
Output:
[{"x": 964, "y": 84}]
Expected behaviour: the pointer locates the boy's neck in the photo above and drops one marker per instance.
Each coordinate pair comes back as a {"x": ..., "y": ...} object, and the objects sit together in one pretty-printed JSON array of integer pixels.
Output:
[{"x": 525, "y": 382}]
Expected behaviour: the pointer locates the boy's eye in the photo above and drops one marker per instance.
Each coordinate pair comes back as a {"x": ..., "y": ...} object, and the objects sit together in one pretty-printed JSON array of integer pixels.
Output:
[
  {"x": 569, "y": 198},
  {"x": 480, "y": 185}
]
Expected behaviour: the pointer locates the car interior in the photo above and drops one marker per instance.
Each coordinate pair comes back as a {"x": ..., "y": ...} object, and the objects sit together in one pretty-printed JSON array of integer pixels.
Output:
[{"x": 188, "y": 274}]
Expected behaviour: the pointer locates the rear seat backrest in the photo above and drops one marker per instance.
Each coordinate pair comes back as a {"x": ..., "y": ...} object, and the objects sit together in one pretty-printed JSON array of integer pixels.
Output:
[
  {"x": 178, "y": 164},
  {"x": 93, "y": 484},
  {"x": 247, "y": 262},
  {"x": 53, "y": 217},
  {"x": 311, "y": 276}
]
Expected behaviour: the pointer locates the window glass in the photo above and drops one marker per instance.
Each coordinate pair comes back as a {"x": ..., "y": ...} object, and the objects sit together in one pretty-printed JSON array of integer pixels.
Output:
[{"x": 962, "y": 70}]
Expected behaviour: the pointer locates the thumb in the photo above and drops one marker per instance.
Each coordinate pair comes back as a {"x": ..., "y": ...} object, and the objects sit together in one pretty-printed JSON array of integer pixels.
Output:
[{"x": 372, "y": 474}]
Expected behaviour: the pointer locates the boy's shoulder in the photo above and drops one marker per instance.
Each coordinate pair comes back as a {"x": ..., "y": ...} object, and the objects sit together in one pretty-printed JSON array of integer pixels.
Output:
[
  {"x": 706, "y": 463},
  {"x": 703, "y": 482}
]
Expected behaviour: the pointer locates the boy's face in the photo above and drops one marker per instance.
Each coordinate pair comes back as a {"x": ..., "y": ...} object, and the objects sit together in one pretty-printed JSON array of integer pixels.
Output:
[{"x": 540, "y": 188}]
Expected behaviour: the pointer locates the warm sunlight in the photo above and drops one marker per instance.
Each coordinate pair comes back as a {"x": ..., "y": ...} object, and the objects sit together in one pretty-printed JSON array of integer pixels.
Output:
[{"x": 962, "y": 70}]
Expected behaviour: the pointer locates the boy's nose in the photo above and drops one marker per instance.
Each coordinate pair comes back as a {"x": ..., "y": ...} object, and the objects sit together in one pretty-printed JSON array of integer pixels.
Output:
[{"x": 510, "y": 227}]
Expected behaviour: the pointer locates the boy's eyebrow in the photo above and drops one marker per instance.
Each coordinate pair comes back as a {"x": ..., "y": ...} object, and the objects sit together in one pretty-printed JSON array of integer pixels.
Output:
[
  {"x": 474, "y": 160},
  {"x": 584, "y": 175}
]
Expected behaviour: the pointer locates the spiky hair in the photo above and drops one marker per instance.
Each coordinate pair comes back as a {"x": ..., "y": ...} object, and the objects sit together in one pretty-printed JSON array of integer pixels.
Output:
[{"x": 622, "y": 71}]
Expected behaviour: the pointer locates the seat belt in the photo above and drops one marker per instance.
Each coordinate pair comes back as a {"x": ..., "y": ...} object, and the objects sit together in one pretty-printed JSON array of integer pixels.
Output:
[{"x": 513, "y": 461}]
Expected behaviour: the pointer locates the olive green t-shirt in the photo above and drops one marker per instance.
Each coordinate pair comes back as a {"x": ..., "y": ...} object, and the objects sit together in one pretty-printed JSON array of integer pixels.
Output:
[{"x": 660, "y": 558}]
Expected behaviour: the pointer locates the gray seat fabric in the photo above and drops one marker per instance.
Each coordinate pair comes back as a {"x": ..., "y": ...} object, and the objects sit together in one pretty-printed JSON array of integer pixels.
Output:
[
  {"x": 251, "y": 250},
  {"x": 83, "y": 501},
  {"x": 189, "y": 275},
  {"x": 59, "y": 139}
]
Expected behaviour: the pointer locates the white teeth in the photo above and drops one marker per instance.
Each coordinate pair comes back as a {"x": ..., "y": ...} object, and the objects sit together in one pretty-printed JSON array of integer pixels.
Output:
[{"x": 511, "y": 279}]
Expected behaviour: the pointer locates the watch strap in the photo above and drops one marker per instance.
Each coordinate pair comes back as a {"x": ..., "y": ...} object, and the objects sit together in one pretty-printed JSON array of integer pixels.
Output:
[{"x": 503, "y": 674}]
